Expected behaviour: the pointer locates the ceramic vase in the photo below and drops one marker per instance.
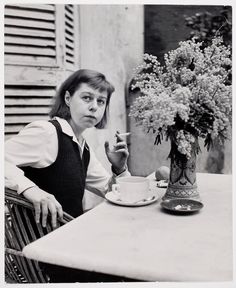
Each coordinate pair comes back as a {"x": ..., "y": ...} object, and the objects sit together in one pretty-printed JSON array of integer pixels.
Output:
[{"x": 182, "y": 180}]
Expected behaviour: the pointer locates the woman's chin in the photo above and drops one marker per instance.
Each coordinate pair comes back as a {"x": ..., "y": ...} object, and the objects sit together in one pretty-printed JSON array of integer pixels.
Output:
[{"x": 89, "y": 125}]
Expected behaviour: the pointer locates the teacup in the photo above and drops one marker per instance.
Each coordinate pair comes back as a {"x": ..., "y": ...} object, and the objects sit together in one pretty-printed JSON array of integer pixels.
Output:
[{"x": 131, "y": 189}]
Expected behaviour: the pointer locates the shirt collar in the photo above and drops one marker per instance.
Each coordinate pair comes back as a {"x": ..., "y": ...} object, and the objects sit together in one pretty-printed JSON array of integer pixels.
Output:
[{"x": 66, "y": 129}]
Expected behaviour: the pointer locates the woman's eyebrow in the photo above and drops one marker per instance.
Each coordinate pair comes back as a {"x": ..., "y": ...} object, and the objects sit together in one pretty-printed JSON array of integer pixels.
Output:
[
  {"x": 93, "y": 94},
  {"x": 88, "y": 93}
]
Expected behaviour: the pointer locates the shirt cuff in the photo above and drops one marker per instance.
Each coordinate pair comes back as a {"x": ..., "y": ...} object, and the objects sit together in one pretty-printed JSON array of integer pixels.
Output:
[
  {"x": 23, "y": 185},
  {"x": 124, "y": 173}
]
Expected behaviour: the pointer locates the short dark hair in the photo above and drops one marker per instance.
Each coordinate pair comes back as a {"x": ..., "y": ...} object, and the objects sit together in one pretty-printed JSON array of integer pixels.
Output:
[{"x": 92, "y": 78}]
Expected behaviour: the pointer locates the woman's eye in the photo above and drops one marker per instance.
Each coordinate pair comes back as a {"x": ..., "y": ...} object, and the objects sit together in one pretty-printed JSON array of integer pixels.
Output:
[
  {"x": 87, "y": 98},
  {"x": 101, "y": 102}
]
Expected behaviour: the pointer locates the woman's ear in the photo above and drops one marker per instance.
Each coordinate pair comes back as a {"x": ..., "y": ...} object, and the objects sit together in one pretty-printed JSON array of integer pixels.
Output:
[{"x": 67, "y": 98}]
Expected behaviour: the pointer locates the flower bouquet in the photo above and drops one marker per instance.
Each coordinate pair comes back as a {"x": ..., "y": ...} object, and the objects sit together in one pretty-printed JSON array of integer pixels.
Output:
[{"x": 186, "y": 98}]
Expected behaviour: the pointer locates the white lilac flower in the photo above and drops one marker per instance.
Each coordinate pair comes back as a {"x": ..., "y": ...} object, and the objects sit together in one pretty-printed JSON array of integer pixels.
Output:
[
  {"x": 190, "y": 87},
  {"x": 184, "y": 141}
]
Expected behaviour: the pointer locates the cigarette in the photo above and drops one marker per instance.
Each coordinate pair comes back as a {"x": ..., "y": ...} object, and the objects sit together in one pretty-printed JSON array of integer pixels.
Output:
[{"x": 124, "y": 134}]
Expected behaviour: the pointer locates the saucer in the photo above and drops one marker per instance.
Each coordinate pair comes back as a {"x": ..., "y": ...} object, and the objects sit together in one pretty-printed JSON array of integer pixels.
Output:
[
  {"x": 181, "y": 205},
  {"x": 111, "y": 197}
]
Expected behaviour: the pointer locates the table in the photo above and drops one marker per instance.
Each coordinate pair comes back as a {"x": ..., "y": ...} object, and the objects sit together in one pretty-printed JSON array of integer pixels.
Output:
[{"x": 146, "y": 243}]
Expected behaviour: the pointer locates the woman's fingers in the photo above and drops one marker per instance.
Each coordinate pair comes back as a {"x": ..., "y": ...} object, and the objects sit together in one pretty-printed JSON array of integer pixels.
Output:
[
  {"x": 119, "y": 154},
  {"x": 120, "y": 145},
  {"x": 118, "y": 138},
  {"x": 123, "y": 151},
  {"x": 37, "y": 210},
  {"x": 44, "y": 205},
  {"x": 59, "y": 210},
  {"x": 55, "y": 210},
  {"x": 53, "y": 213}
]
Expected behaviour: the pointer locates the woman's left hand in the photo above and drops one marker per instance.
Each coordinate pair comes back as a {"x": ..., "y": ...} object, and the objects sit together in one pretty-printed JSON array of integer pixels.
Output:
[{"x": 118, "y": 155}]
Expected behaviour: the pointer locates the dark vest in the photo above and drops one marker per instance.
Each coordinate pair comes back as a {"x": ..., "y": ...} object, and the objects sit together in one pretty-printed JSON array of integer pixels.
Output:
[{"x": 65, "y": 178}]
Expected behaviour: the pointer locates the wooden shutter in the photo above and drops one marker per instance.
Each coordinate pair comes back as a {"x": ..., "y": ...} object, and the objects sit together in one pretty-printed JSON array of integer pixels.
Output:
[
  {"x": 39, "y": 52},
  {"x": 71, "y": 36},
  {"x": 24, "y": 104},
  {"x": 30, "y": 34}
]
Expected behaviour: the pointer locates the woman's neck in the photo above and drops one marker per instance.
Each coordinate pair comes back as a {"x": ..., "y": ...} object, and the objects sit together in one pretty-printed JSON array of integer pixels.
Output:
[{"x": 77, "y": 131}]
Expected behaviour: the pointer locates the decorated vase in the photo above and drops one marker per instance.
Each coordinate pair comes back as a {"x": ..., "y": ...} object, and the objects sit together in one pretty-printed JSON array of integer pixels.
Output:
[{"x": 182, "y": 180}]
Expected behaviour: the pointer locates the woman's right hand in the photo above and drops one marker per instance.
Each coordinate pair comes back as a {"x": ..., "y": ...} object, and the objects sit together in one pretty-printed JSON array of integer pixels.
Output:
[{"x": 44, "y": 203}]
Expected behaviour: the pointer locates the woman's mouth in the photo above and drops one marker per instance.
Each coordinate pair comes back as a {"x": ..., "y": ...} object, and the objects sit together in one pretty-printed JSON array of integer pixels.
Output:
[{"x": 90, "y": 117}]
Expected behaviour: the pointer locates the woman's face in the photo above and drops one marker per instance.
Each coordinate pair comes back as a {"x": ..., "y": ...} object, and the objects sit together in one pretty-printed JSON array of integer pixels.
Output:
[{"x": 87, "y": 106}]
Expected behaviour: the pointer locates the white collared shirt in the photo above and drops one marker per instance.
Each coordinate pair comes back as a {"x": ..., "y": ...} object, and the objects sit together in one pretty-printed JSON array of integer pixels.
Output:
[{"x": 37, "y": 146}]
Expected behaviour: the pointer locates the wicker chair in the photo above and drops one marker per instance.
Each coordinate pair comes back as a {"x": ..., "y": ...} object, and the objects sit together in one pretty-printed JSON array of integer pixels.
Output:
[{"x": 20, "y": 230}]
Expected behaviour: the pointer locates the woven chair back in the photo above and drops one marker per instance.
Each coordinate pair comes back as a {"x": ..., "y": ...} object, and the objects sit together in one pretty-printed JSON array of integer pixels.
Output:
[{"x": 20, "y": 230}]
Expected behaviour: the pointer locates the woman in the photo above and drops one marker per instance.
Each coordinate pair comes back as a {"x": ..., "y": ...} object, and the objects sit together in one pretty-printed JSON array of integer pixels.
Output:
[{"x": 51, "y": 164}]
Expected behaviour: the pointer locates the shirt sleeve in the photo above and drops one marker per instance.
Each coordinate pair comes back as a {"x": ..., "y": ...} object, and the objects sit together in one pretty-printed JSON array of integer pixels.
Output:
[
  {"x": 98, "y": 180},
  {"x": 36, "y": 146}
]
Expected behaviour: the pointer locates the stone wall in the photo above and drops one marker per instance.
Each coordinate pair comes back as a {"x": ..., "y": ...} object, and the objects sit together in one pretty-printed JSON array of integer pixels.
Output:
[{"x": 111, "y": 41}]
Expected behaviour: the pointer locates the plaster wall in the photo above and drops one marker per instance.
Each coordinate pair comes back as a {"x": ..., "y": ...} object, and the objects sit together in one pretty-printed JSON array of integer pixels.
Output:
[{"x": 111, "y": 41}]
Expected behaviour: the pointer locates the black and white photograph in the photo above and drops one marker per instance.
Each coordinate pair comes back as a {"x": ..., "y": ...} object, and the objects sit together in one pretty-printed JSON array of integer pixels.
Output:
[{"x": 118, "y": 143}]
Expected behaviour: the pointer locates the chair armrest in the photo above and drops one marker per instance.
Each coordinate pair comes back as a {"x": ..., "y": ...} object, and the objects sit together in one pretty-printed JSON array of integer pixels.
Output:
[{"x": 16, "y": 198}]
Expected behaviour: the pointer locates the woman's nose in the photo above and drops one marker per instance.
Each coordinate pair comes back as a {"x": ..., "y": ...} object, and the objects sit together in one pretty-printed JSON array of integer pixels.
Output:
[{"x": 93, "y": 105}]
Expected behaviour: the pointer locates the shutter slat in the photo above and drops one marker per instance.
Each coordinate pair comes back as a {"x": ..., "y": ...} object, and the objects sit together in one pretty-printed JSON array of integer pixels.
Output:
[
  {"x": 47, "y": 16},
  {"x": 29, "y": 60},
  {"x": 29, "y": 32},
  {"x": 69, "y": 38},
  {"x": 69, "y": 8},
  {"x": 26, "y": 110},
  {"x": 29, "y": 23},
  {"x": 13, "y": 129},
  {"x": 69, "y": 17},
  {"x": 28, "y": 102},
  {"x": 70, "y": 52},
  {"x": 25, "y": 119},
  {"x": 69, "y": 59},
  {"x": 70, "y": 45},
  {"x": 69, "y": 35},
  {"x": 69, "y": 30},
  {"x": 69, "y": 23},
  {"x": 29, "y": 41},
  {"x": 29, "y": 92},
  {"x": 46, "y": 7},
  {"x": 17, "y": 50}
]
